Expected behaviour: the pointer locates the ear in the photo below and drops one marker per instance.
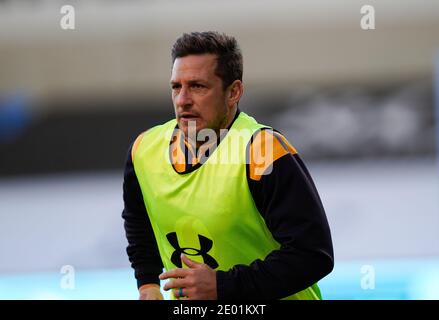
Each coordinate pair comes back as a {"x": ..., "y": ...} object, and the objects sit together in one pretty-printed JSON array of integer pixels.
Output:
[{"x": 234, "y": 92}]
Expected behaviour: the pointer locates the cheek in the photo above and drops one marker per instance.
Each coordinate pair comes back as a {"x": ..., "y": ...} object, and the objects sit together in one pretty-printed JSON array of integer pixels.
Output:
[
  {"x": 212, "y": 107},
  {"x": 216, "y": 103}
]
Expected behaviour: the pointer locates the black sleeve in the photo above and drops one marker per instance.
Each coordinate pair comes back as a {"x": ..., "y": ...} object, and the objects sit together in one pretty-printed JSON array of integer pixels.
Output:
[
  {"x": 142, "y": 247},
  {"x": 290, "y": 205}
]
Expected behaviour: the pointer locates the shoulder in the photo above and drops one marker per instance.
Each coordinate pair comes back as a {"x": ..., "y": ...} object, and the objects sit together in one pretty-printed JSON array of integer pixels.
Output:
[
  {"x": 136, "y": 144},
  {"x": 265, "y": 147},
  {"x": 169, "y": 125}
]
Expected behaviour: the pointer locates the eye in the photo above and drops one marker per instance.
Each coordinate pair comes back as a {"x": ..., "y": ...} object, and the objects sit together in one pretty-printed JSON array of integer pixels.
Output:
[
  {"x": 175, "y": 86},
  {"x": 197, "y": 86}
]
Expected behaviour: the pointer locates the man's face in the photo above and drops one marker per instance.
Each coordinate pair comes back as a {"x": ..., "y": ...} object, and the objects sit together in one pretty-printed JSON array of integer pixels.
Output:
[{"x": 197, "y": 93}]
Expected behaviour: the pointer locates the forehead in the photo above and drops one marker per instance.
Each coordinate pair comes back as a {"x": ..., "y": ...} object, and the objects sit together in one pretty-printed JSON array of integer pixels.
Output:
[{"x": 194, "y": 66}]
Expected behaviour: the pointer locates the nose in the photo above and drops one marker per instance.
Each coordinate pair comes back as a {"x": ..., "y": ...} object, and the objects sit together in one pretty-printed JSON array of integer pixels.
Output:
[{"x": 183, "y": 98}]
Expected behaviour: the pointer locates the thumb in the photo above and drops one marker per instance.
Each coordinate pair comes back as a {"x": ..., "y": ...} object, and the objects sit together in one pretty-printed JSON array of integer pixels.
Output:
[{"x": 190, "y": 263}]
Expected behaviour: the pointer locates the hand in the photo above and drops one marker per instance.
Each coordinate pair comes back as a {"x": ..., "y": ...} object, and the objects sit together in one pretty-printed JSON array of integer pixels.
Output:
[
  {"x": 150, "y": 292},
  {"x": 198, "y": 282}
]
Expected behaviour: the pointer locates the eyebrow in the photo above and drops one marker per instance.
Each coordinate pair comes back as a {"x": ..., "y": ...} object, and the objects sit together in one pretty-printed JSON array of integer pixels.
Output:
[{"x": 194, "y": 81}]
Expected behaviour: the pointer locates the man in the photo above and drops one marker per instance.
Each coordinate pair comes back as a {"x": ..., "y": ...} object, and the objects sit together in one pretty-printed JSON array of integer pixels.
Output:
[{"x": 226, "y": 219}]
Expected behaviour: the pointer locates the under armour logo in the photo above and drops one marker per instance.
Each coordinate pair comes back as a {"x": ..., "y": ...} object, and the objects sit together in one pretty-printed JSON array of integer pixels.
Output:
[{"x": 205, "y": 245}]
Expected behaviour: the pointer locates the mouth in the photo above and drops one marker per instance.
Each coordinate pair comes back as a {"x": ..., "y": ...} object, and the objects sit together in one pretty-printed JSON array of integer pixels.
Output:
[{"x": 188, "y": 117}]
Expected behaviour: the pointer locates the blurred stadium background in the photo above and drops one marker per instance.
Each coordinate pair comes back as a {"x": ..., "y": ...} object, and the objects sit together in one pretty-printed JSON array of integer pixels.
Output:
[{"x": 358, "y": 105}]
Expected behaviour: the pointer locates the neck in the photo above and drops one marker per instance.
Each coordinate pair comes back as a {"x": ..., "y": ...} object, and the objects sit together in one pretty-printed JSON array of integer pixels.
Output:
[
  {"x": 230, "y": 118},
  {"x": 225, "y": 124}
]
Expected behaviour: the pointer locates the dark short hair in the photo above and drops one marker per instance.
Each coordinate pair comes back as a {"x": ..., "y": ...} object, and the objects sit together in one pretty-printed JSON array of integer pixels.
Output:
[{"x": 229, "y": 61}]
